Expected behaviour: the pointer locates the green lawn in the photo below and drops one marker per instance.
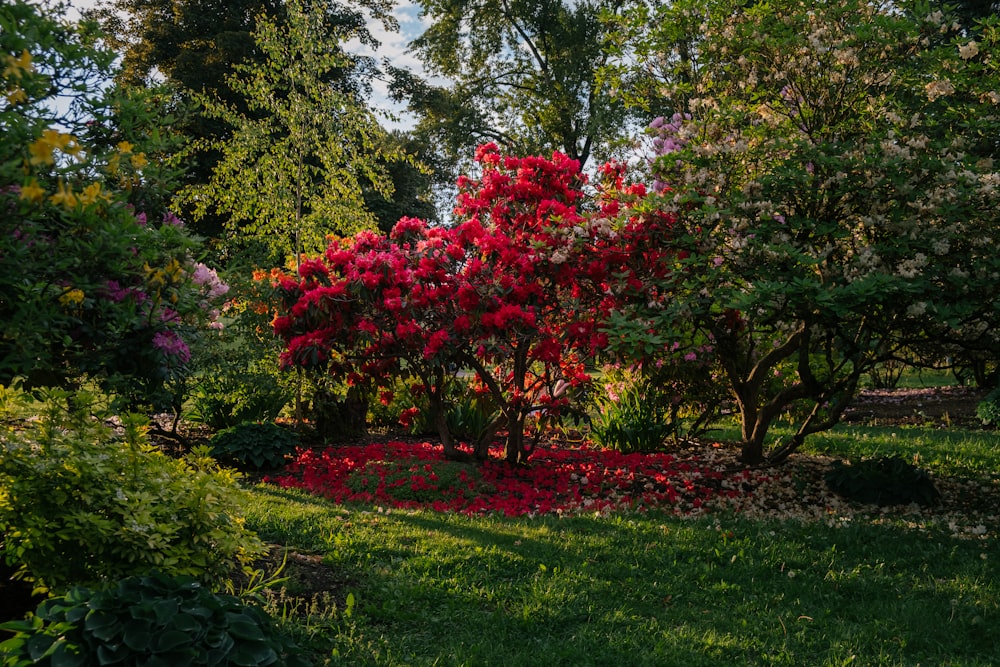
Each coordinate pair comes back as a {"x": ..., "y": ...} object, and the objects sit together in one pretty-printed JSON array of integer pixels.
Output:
[{"x": 441, "y": 589}]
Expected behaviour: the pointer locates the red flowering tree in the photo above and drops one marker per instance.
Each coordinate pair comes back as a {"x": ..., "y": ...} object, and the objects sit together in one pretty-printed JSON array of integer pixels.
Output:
[{"x": 516, "y": 291}]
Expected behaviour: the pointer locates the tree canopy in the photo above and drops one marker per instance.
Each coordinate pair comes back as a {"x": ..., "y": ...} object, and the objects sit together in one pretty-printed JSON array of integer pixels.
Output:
[
  {"x": 197, "y": 46},
  {"x": 523, "y": 73},
  {"x": 835, "y": 204},
  {"x": 295, "y": 166}
]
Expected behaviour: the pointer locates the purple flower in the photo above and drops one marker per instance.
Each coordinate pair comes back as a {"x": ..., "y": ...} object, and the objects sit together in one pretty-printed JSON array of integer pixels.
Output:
[{"x": 172, "y": 220}]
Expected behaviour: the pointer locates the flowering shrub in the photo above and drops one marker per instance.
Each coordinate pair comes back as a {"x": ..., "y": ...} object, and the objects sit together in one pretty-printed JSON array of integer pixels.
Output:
[
  {"x": 573, "y": 480},
  {"x": 97, "y": 279},
  {"x": 832, "y": 169},
  {"x": 515, "y": 291}
]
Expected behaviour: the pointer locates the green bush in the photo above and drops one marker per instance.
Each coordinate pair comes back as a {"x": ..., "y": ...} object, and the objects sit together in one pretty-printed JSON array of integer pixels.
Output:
[
  {"x": 628, "y": 419},
  {"x": 238, "y": 378},
  {"x": 469, "y": 414},
  {"x": 254, "y": 444},
  {"x": 885, "y": 480},
  {"x": 99, "y": 279},
  {"x": 228, "y": 398},
  {"x": 82, "y": 505},
  {"x": 148, "y": 620},
  {"x": 988, "y": 409}
]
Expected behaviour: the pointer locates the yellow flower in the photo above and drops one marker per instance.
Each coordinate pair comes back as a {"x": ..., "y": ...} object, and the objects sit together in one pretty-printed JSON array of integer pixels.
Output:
[
  {"x": 155, "y": 277},
  {"x": 74, "y": 296},
  {"x": 42, "y": 148},
  {"x": 113, "y": 163},
  {"x": 64, "y": 195},
  {"x": 91, "y": 194},
  {"x": 124, "y": 147},
  {"x": 41, "y": 152},
  {"x": 16, "y": 96},
  {"x": 16, "y": 66},
  {"x": 139, "y": 161},
  {"x": 32, "y": 192}
]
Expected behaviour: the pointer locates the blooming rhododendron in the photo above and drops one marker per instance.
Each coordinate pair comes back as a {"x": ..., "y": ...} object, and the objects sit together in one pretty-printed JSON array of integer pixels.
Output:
[{"x": 513, "y": 292}]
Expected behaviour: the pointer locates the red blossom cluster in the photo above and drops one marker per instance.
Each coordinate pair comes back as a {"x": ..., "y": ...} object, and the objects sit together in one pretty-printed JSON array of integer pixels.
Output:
[
  {"x": 517, "y": 291},
  {"x": 563, "y": 481}
]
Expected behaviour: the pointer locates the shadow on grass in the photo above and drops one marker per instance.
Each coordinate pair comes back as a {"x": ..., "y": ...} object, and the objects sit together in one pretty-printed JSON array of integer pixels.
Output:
[{"x": 449, "y": 589}]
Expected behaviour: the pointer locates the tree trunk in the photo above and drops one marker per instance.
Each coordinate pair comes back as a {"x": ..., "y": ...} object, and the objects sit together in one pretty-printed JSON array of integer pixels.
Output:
[{"x": 515, "y": 453}]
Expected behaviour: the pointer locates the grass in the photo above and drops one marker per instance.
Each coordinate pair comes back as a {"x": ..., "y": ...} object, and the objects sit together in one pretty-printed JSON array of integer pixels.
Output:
[{"x": 444, "y": 589}]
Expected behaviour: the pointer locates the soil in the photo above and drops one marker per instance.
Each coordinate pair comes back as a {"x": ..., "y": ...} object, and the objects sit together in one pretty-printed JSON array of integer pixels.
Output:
[
  {"x": 309, "y": 579},
  {"x": 941, "y": 406}
]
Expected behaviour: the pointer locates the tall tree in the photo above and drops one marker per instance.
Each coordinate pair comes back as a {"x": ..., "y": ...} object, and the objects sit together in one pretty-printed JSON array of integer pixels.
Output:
[
  {"x": 295, "y": 166},
  {"x": 524, "y": 75},
  {"x": 197, "y": 45}
]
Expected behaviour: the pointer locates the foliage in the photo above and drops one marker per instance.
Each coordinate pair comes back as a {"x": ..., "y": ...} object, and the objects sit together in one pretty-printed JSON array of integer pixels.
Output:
[
  {"x": 524, "y": 77},
  {"x": 228, "y": 393},
  {"x": 195, "y": 46},
  {"x": 665, "y": 395},
  {"x": 148, "y": 620},
  {"x": 413, "y": 184},
  {"x": 238, "y": 378},
  {"x": 988, "y": 409},
  {"x": 835, "y": 206},
  {"x": 885, "y": 480},
  {"x": 293, "y": 169},
  {"x": 471, "y": 413},
  {"x": 82, "y": 505},
  {"x": 403, "y": 404},
  {"x": 628, "y": 417},
  {"x": 97, "y": 278},
  {"x": 258, "y": 445}
]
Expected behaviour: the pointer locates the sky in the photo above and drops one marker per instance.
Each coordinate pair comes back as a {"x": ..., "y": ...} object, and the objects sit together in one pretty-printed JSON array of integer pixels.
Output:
[{"x": 393, "y": 47}]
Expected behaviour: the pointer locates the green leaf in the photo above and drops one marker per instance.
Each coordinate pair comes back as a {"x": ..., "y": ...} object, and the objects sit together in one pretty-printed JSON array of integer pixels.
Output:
[
  {"x": 39, "y": 645},
  {"x": 111, "y": 655},
  {"x": 253, "y": 655},
  {"x": 170, "y": 640},
  {"x": 65, "y": 656},
  {"x": 245, "y": 629},
  {"x": 137, "y": 637}
]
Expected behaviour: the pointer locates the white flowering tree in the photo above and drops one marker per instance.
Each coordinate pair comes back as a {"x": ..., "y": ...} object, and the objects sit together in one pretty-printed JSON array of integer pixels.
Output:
[{"x": 831, "y": 166}]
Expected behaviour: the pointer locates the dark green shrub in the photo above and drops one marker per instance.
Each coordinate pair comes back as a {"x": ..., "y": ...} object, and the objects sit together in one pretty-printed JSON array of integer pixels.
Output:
[
  {"x": 238, "y": 378},
  {"x": 886, "y": 480},
  {"x": 227, "y": 399},
  {"x": 82, "y": 505},
  {"x": 988, "y": 409},
  {"x": 254, "y": 444},
  {"x": 148, "y": 620}
]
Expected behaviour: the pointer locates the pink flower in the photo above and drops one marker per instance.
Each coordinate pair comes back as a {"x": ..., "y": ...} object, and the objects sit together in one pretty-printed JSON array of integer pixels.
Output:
[{"x": 171, "y": 345}]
